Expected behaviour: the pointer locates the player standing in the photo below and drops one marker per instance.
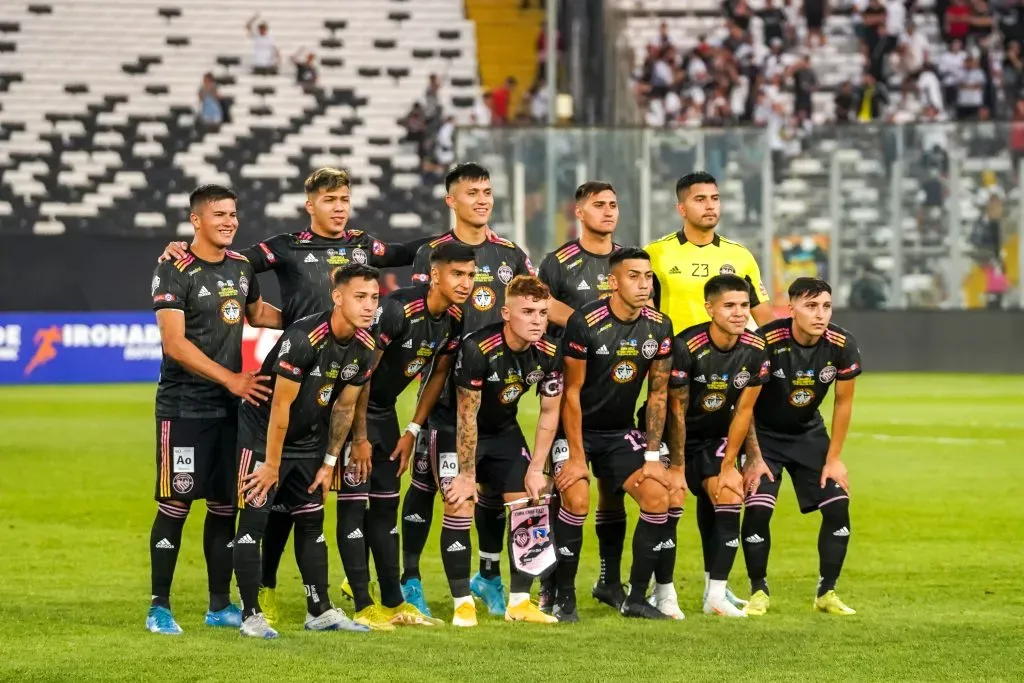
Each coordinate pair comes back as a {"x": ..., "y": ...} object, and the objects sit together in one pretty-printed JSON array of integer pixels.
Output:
[
  {"x": 718, "y": 368},
  {"x": 415, "y": 325},
  {"x": 497, "y": 262},
  {"x": 611, "y": 346},
  {"x": 496, "y": 365},
  {"x": 281, "y": 444},
  {"x": 199, "y": 302},
  {"x": 683, "y": 262},
  {"x": 808, "y": 352},
  {"x": 304, "y": 263}
]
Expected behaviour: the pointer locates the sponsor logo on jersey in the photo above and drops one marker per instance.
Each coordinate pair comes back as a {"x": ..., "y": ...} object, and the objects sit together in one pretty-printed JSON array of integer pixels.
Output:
[
  {"x": 713, "y": 401},
  {"x": 649, "y": 349},
  {"x": 309, "y": 258},
  {"x": 286, "y": 346},
  {"x": 231, "y": 312},
  {"x": 624, "y": 371},
  {"x": 332, "y": 372},
  {"x": 583, "y": 286},
  {"x": 483, "y": 274},
  {"x": 627, "y": 347},
  {"x": 603, "y": 351},
  {"x": 535, "y": 376},
  {"x": 203, "y": 291},
  {"x": 719, "y": 382},
  {"x": 494, "y": 377},
  {"x": 407, "y": 344},
  {"x": 741, "y": 379},
  {"x": 226, "y": 288},
  {"x": 827, "y": 374},
  {"x": 674, "y": 270},
  {"x": 378, "y": 248},
  {"x": 316, "y": 372},
  {"x": 804, "y": 378},
  {"x": 801, "y": 397},
  {"x": 780, "y": 373}
]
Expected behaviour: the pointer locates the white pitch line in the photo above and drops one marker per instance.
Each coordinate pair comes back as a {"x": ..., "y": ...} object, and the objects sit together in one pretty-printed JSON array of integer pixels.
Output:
[
  {"x": 960, "y": 423},
  {"x": 948, "y": 440}
]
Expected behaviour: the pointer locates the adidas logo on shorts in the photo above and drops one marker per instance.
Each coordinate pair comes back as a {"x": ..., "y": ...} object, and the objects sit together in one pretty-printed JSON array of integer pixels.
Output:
[
  {"x": 565, "y": 552},
  {"x": 415, "y": 518},
  {"x": 456, "y": 547},
  {"x": 357, "y": 534},
  {"x": 164, "y": 544},
  {"x": 394, "y": 531},
  {"x": 246, "y": 540},
  {"x": 734, "y": 543},
  {"x": 321, "y": 539},
  {"x": 845, "y": 531},
  {"x": 754, "y": 539}
]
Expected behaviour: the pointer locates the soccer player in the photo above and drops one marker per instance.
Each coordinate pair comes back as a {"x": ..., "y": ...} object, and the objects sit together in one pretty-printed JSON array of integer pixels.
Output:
[
  {"x": 304, "y": 263},
  {"x": 718, "y": 368},
  {"x": 414, "y": 326},
  {"x": 808, "y": 352},
  {"x": 497, "y": 262},
  {"x": 683, "y": 262},
  {"x": 281, "y": 444},
  {"x": 496, "y": 366},
  {"x": 611, "y": 346},
  {"x": 199, "y": 302}
]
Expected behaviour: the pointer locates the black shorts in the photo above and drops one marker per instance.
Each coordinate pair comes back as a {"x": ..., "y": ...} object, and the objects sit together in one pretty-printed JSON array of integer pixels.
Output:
[
  {"x": 614, "y": 455},
  {"x": 383, "y": 434},
  {"x": 501, "y": 460},
  {"x": 703, "y": 460},
  {"x": 802, "y": 456},
  {"x": 422, "y": 474},
  {"x": 290, "y": 493},
  {"x": 195, "y": 458}
]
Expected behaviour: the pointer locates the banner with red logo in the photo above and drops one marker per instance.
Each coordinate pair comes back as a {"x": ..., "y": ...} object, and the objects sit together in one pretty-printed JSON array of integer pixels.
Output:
[{"x": 93, "y": 348}]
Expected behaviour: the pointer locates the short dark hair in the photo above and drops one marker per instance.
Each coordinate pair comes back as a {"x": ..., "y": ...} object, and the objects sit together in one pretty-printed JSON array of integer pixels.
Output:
[
  {"x": 355, "y": 270},
  {"x": 720, "y": 284},
  {"x": 592, "y": 187},
  {"x": 466, "y": 171},
  {"x": 808, "y": 287},
  {"x": 691, "y": 179},
  {"x": 205, "y": 194},
  {"x": 327, "y": 179},
  {"x": 626, "y": 254},
  {"x": 452, "y": 252}
]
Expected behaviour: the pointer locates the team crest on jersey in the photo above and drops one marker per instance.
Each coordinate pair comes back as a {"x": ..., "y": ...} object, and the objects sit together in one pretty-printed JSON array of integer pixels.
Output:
[
  {"x": 801, "y": 397},
  {"x": 624, "y": 372},
  {"x": 741, "y": 379},
  {"x": 415, "y": 366},
  {"x": 156, "y": 283},
  {"x": 649, "y": 349},
  {"x": 231, "y": 312},
  {"x": 359, "y": 256},
  {"x": 483, "y": 299},
  {"x": 182, "y": 483},
  {"x": 504, "y": 273},
  {"x": 243, "y": 285},
  {"x": 323, "y": 397},
  {"x": 349, "y": 371},
  {"x": 535, "y": 376},
  {"x": 827, "y": 374},
  {"x": 713, "y": 402},
  {"x": 726, "y": 269},
  {"x": 510, "y": 393}
]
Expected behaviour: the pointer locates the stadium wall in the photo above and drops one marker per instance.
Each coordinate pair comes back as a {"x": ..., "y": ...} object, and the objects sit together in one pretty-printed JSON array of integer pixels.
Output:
[{"x": 76, "y": 309}]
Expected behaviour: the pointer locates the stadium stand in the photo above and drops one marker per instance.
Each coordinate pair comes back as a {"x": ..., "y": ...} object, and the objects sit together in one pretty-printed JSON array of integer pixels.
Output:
[{"x": 99, "y": 106}]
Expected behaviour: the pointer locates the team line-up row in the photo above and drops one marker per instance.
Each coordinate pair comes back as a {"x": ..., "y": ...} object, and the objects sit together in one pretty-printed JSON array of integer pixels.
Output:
[{"x": 482, "y": 330}]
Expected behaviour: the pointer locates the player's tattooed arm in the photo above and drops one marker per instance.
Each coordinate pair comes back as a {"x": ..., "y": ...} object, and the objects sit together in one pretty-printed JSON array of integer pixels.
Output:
[
  {"x": 751, "y": 446},
  {"x": 359, "y": 419},
  {"x": 466, "y": 432},
  {"x": 657, "y": 401},
  {"x": 342, "y": 416},
  {"x": 678, "y": 398}
]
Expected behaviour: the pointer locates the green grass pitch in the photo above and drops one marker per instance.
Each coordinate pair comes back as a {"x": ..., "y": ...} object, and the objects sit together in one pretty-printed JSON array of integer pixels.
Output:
[{"x": 934, "y": 567}]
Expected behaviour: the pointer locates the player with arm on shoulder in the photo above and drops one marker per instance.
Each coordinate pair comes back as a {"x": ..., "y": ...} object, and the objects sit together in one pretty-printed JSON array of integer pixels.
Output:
[
  {"x": 611, "y": 346},
  {"x": 717, "y": 372},
  {"x": 200, "y": 301},
  {"x": 281, "y": 446},
  {"x": 496, "y": 366},
  {"x": 808, "y": 354}
]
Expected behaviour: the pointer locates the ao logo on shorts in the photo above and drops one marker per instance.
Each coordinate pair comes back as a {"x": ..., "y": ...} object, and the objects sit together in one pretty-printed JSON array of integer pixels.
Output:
[
  {"x": 827, "y": 374},
  {"x": 231, "y": 312},
  {"x": 649, "y": 349},
  {"x": 447, "y": 469}
]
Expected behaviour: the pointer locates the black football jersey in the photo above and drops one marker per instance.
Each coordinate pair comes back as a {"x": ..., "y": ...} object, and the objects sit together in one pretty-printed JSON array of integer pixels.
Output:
[
  {"x": 801, "y": 376},
  {"x": 213, "y": 297},
  {"x": 618, "y": 356},
  {"x": 410, "y": 338},
  {"x": 304, "y": 263},
  {"x": 575, "y": 276},
  {"x": 715, "y": 377},
  {"x": 486, "y": 364},
  {"x": 497, "y": 262},
  {"x": 309, "y": 353}
]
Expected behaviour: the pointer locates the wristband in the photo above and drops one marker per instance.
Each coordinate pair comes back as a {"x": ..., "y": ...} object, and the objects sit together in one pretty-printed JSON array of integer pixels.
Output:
[
  {"x": 330, "y": 460},
  {"x": 652, "y": 456},
  {"x": 413, "y": 429}
]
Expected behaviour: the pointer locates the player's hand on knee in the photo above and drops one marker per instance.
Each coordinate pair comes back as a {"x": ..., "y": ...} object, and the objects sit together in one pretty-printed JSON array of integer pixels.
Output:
[
  {"x": 322, "y": 480},
  {"x": 676, "y": 477},
  {"x": 535, "y": 483},
  {"x": 836, "y": 471},
  {"x": 653, "y": 470},
  {"x": 462, "y": 489},
  {"x": 403, "y": 452},
  {"x": 752, "y": 473},
  {"x": 173, "y": 252},
  {"x": 730, "y": 479},
  {"x": 360, "y": 461},
  {"x": 258, "y": 484},
  {"x": 249, "y": 387},
  {"x": 572, "y": 471}
]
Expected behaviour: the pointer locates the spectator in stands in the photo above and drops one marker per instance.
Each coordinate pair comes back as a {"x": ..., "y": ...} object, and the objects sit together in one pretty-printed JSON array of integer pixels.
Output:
[
  {"x": 211, "y": 108},
  {"x": 805, "y": 82},
  {"x": 991, "y": 201},
  {"x": 873, "y": 17},
  {"x": 1013, "y": 76},
  {"x": 907, "y": 106},
  {"x": 980, "y": 21},
  {"x": 265, "y": 56},
  {"x": 868, "y": 292},
  {"x": 970, "y": 90},
  {"x": 664, "y": 40},
  {"x": 895, "y": 23},
  {"x": 740, "y": 12},
  {"x": 542, "y": 50},
  {"x": 773, "y": 21},
  {"x": 951, "y": 67},
  {"x": 1011, "y": 21},
  {"x": 871, "y": 99},
  {"x": 415, "y": 124},
  {"x": 305, "y": 69},
  {"x": 843, "y": 103},
  {"x": 1017, "y": 135},
  {"x": 501, "y": 100},
  {"x": 814, "y": 17},
  {"x": 444, "y": 150},
  {"x": 482, "y": 111},
  {"x": 996, "y": 283},
  {"x": 957, "y": 22},
  {"x": 539, "y": 101},
  {"x": 432, "y": 99},
  {"x": 930, "y": 88},
  {"x": 911, "y": 52}
]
